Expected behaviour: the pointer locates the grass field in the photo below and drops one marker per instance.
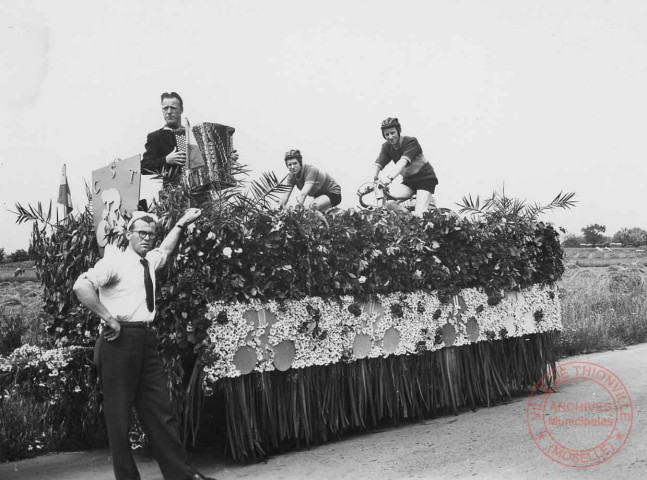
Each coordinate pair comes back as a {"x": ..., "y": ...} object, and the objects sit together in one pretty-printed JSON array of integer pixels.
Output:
[
  {"x": 603, "y": 307},
  {"x": 592, "y": 257},
  {"x": 21, "y": 315},
  {"x": 8, "y": 272}
]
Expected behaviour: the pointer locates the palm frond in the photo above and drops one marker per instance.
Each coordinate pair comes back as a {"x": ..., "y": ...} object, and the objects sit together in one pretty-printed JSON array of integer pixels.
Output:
[
  {"x": 243, "y": 200},
  {"x": 267, "y": 187},
  {"x": 499, "y": 205},
  {"x": 470, "y": 205},
  {"x": 31, "y": 214}
]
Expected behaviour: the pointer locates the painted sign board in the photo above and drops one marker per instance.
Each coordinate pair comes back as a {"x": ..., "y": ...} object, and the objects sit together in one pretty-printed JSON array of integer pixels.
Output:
[{"x": 115, "y": 192}]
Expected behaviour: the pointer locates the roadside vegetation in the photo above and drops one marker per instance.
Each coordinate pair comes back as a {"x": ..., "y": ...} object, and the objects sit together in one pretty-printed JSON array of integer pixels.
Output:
[{"x": 603, "y": 308}]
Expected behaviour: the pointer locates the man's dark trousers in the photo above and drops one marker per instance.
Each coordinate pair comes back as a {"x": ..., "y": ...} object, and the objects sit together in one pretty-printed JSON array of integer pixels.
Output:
[{"x": 132, "y": 373}]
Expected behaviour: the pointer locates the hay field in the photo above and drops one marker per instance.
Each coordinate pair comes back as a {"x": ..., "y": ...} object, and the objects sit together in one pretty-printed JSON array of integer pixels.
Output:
[
  {"x": 603, "y": 307},
  {"x": 21, "y": 305},
  {"x": 592, "y": 257},
  {"x": 8, "y": 272}
]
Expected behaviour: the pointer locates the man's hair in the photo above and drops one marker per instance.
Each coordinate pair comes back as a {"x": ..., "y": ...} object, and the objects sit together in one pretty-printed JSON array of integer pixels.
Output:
[
  {"x": 290, "y": 154},
  {"x": 145, "y": 219},
  {"x": 143, "y": 216},
  {"x": 173, "y": 95}
]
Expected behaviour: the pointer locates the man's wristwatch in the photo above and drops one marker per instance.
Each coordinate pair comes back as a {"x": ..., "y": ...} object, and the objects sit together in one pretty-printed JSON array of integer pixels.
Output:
[{"x": 181, "y": 226}]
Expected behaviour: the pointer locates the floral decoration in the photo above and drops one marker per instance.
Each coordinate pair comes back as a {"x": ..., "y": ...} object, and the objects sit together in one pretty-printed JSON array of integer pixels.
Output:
[{"x": 323, "y": 332}]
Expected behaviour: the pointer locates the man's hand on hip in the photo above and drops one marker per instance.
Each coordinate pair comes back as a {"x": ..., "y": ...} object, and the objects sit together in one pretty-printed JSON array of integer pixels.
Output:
[{"x": 113, "y": 329}]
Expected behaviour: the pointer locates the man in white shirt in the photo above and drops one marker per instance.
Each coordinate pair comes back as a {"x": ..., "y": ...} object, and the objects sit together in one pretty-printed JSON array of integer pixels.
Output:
[{"x": 120, "y": 289}]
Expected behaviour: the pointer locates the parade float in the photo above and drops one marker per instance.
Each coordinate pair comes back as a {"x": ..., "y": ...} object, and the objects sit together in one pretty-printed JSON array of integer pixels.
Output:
[
  {"x": 315, "y": 326},
  {"x": 308, "y": 326}
]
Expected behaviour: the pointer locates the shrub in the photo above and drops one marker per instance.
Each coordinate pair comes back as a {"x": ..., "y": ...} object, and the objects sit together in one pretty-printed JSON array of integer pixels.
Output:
[
  {"x": 12, "y": 328},
  {"x": 593, "y": 233},
  {"x": 19, "y": 255},
  {"x": 48, "y": 399},
  {"x": 631, "y": 236},
  {"x": 572, "y": 241}
]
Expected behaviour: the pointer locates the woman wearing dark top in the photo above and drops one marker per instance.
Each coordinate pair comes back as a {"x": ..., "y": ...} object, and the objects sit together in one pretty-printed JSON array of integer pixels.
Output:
[{"x": 418, "y": 176}]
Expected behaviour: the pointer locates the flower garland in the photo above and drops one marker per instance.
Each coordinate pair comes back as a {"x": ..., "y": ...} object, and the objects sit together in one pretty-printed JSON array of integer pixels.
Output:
[{"x": 302, "y": 333}]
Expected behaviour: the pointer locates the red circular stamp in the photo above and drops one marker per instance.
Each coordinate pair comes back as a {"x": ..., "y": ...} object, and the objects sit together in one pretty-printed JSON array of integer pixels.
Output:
[{"x": 580, "y": 414}]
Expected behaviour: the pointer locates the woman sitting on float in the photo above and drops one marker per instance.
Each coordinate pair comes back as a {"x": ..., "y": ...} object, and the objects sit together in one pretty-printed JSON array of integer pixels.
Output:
[
  {"x": 418, "y": 176},
  {"x": 311, "y": 182}
]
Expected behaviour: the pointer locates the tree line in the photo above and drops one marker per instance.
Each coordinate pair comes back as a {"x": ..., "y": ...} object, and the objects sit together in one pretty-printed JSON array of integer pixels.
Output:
[
  {"x": 20, "y": 255},
  {"x": 594, "y": 234}
]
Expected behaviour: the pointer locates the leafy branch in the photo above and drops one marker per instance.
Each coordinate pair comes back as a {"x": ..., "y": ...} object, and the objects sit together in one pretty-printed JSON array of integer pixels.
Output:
[
  {"x": 37, "y": 214},
  {"x": 244, "y": 199},
  {"x": 499, "y": 205}
]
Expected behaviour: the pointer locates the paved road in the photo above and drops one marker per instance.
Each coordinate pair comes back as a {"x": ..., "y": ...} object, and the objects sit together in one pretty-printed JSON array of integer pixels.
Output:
[{"x": 489, "y": 443}]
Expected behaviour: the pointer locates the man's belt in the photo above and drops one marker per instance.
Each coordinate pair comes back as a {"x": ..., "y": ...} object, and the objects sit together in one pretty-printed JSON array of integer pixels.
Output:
[{"x": 136, "y": 324}]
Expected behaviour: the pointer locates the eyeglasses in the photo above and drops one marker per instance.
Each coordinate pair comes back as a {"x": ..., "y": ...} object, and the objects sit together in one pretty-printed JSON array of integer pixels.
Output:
[{"x": 144, "y": 234}]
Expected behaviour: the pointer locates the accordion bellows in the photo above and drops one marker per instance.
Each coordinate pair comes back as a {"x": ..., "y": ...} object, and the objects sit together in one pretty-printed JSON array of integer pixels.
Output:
[{"x": 216, "y": 145}]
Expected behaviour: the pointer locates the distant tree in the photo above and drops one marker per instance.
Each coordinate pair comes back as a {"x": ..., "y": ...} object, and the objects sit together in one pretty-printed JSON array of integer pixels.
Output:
[
  {"x": 2, "y": 255},
  {"x": 19, "y": 255},
  {"x": 593, "y": 233},
  {"x": 631, "y": 236},
  {"x": 571, "y": 241}
]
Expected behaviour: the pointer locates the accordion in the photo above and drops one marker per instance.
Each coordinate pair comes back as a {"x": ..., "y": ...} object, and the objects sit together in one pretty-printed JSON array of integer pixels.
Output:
[{"x": 210, "y": 168}]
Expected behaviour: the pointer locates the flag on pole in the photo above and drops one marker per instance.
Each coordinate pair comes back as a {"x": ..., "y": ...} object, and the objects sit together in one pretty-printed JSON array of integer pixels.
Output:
[{"x": 64, "y": 196}]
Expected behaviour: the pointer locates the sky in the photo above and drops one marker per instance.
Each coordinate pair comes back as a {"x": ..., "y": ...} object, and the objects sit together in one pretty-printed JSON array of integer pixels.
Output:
[{"x": 534, "y": 97}]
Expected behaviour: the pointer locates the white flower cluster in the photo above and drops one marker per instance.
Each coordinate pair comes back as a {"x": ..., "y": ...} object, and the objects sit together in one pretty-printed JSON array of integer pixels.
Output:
[
  {"x": 325, "y": 332},
  {"x": 32, "y": 356}
]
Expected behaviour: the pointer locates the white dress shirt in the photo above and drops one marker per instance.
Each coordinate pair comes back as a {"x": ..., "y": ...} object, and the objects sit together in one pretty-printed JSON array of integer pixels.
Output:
[{"x": 119, "y": 278}]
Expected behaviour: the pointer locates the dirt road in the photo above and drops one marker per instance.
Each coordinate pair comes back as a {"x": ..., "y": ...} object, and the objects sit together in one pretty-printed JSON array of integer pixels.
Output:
[{"x": 489, "y": 443}]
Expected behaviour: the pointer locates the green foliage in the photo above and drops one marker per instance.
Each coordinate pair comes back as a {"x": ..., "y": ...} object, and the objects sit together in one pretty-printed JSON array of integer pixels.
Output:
[
  {"x": 48, "y": 401},
  {"x": 499, "y": 206},
  {"x": 2, "y": 255},
  {"x": 593, "y": 233},
  {"x": 62, "y": 250},
  {"x": 19, "y": 255},
  {"x": 299, "y": 253},
  {"x": 631, "y": 236},
  {"x": 12, "y": 327},
  {"x": 600, "y": 316},
  {"x": 572, "y": 241}
]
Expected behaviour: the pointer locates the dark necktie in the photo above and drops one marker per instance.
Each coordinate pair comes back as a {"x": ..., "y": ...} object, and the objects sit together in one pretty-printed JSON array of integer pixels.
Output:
[{"x": 148, "y": 283}]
